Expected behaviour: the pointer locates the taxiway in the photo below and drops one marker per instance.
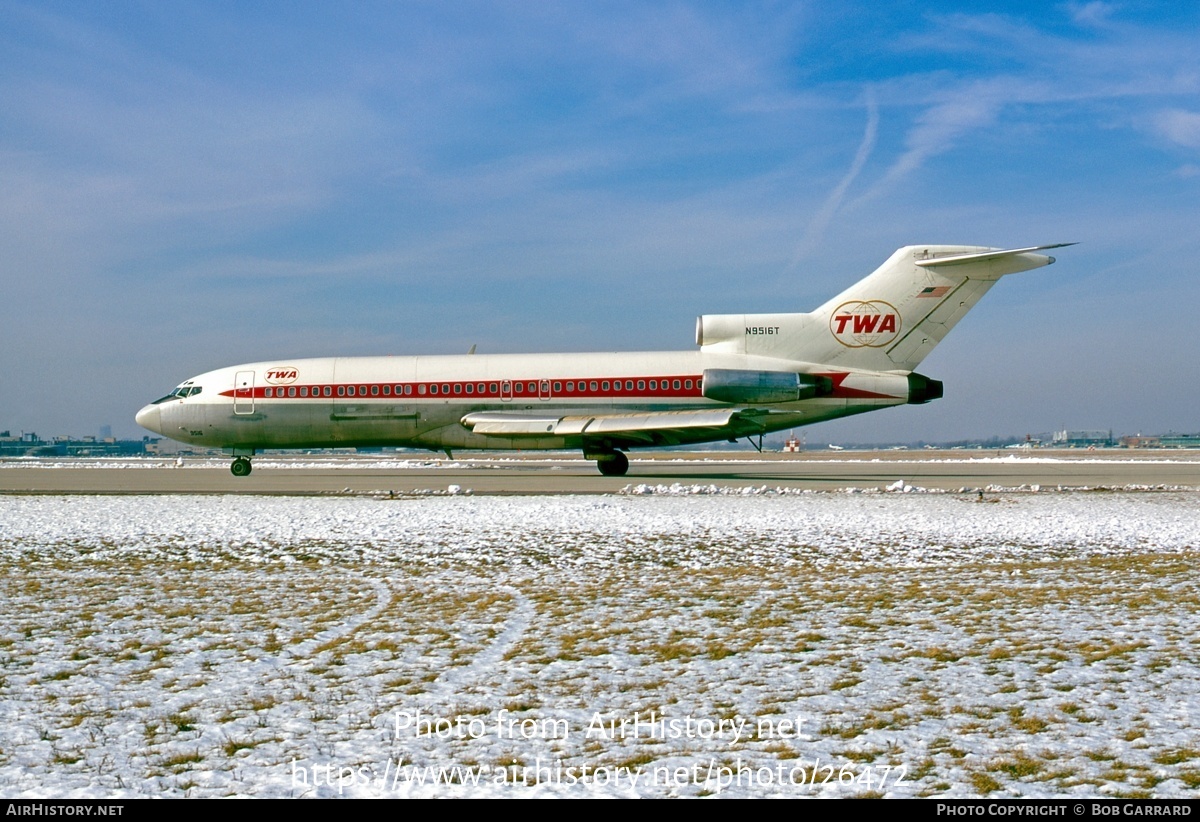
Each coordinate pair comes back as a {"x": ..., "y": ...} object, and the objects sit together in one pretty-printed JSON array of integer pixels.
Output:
[{"x": 517, "y": 474}]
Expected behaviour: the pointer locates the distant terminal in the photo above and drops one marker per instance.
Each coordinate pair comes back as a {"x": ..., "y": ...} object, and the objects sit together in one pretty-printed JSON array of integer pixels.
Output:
[
  {"x": 29, "y": 444},
  {"x": 1082, "y": 439},
  {"x": 1164, "y": 441}
]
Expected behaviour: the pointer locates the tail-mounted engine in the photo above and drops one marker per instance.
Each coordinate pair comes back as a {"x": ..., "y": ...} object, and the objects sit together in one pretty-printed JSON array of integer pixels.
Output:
[
  {"x": 762, "y": 387},
  {"x": 921, "y": 389}
]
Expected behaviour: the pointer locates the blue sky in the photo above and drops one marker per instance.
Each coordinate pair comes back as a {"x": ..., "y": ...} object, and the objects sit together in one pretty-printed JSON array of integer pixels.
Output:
[{"x": 190, "y": 185}]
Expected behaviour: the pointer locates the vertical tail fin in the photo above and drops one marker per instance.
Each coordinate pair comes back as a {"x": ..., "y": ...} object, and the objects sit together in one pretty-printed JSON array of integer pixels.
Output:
[{"x": 889, "y": 321}]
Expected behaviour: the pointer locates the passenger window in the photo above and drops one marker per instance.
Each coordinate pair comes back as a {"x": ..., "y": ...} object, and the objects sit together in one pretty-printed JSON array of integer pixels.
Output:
[
  {"x": 433, "y": 389},
  {"x": 341, "y": 390},
  {"x": 407, "y": 389},
  {"x": 653, "y": 385},
  {"x": 604, "y": 385},
  {"x": 420, "y": 389},
  {"x": 374, "y": 390},
  {"x": 328, "y": 391},
  {"x": 593, "y": 385},
  {"x": 291, "y": 392},
  {"x": 641, "y": 385},
  {"x": 675, "y": 385},
  {"x": 445, "y": 388},
  {"x": 458, "y": 388},
  {"x": 558, "y": 388},
  {"x": 687, "y": 384}
]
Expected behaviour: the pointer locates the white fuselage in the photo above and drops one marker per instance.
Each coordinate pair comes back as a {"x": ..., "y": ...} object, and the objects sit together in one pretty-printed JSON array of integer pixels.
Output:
[{"x": 421, "y": 401}]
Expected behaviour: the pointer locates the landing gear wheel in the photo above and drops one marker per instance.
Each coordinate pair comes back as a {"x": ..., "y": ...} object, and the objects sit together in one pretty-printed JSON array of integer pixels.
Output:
[
  {"x": 240, "y": 467},
  {"x": 614, "y": 466}
]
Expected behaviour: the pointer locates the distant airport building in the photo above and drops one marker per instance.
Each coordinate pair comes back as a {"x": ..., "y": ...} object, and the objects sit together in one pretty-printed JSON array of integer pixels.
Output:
[
  {"x": 31, "y": 445},
  {"x": 1140, "y": 441},
  {"x": 1083, "y": 439},
  {"x": 1164, "y": 441},
  {"x": 1180, "y": 441}
]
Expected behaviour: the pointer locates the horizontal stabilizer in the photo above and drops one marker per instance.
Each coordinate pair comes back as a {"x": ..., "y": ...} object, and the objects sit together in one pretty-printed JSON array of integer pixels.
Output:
[{"x": 959, "y": 259}]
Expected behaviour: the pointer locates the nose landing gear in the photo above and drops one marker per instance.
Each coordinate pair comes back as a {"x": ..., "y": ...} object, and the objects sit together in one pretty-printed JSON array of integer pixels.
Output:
[{"x": 241, "y": 467}]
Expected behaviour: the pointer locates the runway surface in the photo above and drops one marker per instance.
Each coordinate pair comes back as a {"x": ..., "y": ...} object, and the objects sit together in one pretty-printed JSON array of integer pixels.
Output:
[{"x": 519, "y": 474}]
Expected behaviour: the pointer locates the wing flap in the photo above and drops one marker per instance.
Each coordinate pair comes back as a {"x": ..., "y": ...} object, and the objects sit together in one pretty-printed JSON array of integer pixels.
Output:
[
  {"x": 641, "y": 426},
  {"x": 510, "y": 425},
  {"x": 658, "y": 420}
]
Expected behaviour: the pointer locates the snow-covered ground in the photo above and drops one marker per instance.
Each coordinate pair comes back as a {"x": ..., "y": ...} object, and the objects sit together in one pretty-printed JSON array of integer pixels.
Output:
[{"x": 649, "y": 644}]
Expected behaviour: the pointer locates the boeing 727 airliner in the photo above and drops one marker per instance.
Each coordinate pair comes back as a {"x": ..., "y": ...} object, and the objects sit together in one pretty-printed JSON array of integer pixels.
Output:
[{"x": 751, "y": 374}]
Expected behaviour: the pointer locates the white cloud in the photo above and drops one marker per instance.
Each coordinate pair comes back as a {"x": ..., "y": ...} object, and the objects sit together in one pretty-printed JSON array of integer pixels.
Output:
[
  {"x": 1179, "y": 126},
  {"x": 1093, "y": 14}
]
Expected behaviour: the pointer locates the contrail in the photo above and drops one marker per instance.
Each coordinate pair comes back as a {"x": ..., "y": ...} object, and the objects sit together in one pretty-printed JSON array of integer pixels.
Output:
[{"x": 816, "y": 227}]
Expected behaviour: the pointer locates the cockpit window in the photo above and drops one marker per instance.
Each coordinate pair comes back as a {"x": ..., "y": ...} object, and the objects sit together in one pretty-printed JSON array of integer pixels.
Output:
[{"x": 180, "y": 393}]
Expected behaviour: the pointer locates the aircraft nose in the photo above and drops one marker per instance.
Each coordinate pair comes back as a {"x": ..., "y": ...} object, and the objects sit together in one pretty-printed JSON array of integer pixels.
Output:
[{"x": 150, "y": 418}]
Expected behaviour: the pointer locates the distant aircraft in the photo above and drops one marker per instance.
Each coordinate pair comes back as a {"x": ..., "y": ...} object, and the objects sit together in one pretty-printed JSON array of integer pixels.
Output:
[{"x": 751, "y": 375}]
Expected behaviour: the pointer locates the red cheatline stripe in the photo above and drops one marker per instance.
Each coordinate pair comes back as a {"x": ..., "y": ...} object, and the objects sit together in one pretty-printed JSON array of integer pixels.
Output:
[
  {"x": 530, "y": 389},
  {"x": 689, "y": 386},
  {"x": 851, "y": 393}
]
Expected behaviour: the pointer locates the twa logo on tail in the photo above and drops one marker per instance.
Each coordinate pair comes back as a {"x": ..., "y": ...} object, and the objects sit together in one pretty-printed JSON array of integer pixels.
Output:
[{"x": 870, "y": 324}]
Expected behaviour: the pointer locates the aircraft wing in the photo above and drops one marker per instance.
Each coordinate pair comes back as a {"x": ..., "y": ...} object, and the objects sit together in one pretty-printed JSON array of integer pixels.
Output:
[{"x": 645, "y": 428}]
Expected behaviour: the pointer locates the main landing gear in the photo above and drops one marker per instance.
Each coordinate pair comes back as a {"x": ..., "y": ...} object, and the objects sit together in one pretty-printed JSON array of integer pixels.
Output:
[
  {"x": 612, "y": 464},
  {"x": 241, "y": 467}
]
